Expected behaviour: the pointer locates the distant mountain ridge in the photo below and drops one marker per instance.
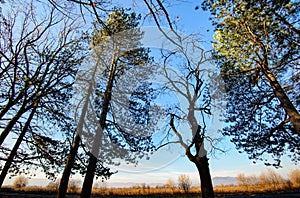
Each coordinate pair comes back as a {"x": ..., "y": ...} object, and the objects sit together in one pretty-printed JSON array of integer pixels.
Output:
[{"x": 217, "y": 181}]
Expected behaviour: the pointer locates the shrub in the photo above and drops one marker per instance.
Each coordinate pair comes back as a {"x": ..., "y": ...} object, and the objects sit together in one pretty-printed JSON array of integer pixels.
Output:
[
  {"x": 170, "y": 184},
  {"x": 246, "y": 181},
  {"x": 20, "y": 182},
  {"x": 295, "y": 177},
  {"x": 72, "y": 186},
  {"x": 53, "y": 185},
  {"x": 184, "y": 182},
  {"x": 271, "y": 178}
]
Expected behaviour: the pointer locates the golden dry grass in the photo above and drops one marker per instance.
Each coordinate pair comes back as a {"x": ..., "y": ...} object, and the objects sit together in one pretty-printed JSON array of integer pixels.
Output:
[
  {"x": 134, "y": 191},
  {"x": 268, "y": 182},
  {"x": 255, "y": 189},
  {"x": 143, "y": 191}
]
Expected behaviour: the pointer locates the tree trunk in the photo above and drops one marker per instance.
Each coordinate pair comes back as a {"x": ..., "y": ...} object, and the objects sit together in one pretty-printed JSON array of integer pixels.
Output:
[
  {"x": 286, "y": 103},
  {"x": 10, "y": 125},
  {"x": 11, "y": 103},
  {"x": 13, "y": 152},
  {"x": 205, "y": 178},
  {"x": 89, "y": 178},
  {"x": 63, "y": 185}
]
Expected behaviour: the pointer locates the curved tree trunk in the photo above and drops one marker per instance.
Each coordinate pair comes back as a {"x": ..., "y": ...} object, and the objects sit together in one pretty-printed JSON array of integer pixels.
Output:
[{"x": 279, "y": 92}]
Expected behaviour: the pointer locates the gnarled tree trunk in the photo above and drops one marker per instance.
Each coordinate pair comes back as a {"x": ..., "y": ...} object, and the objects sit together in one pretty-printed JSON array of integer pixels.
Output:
[{"x": 205, "y": 178}]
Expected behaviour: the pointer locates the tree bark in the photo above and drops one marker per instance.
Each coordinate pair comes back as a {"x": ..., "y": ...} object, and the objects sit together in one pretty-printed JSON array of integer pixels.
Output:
[
  {"x": 286, "y": 103},
  {"x": 13, "y": 152},
  {"x": 89, "y": 178},
  {"x": 63, "y": 185},
  {"x": 10, "y": 125},
  {"x": 205, "y": 177}
]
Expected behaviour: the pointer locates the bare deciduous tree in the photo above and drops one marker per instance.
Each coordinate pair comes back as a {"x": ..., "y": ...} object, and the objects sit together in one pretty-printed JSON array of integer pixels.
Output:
[
  {"x": 271, "y": 178},
  {"x": 170, "y": 184},
  {"x": 40, "y": 54},
  {"x": 184, "y": 182}
]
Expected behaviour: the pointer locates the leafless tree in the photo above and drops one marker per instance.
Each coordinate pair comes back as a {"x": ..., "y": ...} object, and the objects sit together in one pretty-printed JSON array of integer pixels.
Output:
[
  {"x": 184, "y": 182},
  {"x": 40, "y": 52},
  {"x": 199, "y": 95}
]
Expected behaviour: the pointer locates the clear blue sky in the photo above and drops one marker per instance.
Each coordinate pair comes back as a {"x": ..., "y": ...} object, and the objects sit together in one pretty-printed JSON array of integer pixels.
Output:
[{"x": 173, "y": 162}]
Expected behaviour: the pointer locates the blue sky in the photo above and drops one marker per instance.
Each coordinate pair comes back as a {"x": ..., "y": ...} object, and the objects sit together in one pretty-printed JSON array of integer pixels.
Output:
[
  {"x": 230, "y": 163},
  {"x": 171, "y": 163}
]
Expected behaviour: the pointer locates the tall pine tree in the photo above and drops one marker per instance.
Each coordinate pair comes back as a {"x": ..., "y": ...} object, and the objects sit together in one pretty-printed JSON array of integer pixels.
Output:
[
  {"x": 117, "y": 46},
  {"x": 257, "y": 48}
]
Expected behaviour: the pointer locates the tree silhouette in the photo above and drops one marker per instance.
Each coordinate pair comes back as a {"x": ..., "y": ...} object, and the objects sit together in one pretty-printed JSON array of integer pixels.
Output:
[{"x": 38, "y": 68}]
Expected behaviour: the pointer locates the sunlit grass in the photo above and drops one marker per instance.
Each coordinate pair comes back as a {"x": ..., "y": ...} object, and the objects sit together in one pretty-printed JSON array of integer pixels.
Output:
[
  {"x": 219, "y": 190},
  {"x": 266, "y": 182}
]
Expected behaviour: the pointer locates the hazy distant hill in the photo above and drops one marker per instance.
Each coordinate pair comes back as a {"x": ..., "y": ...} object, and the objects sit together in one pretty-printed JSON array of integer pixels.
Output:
[{"x": 217, "y": 181}]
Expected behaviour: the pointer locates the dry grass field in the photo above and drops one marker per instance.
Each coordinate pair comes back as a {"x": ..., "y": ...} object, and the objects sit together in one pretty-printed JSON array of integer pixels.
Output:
[
  {"x": 266, "y": 183},
  {"x": 165, "y": 192}
]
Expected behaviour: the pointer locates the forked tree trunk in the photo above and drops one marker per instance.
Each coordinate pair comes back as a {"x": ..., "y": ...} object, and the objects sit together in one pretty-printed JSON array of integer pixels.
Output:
[
  {"x": 200, "y": 159},
  {"x": 205, "y": 177},
  {"x": 63, "y": 185}
]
